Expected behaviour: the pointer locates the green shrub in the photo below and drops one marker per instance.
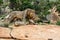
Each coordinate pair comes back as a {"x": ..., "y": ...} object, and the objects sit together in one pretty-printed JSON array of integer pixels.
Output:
[
  {"x": 41, "y": 7},
  {"x": 58, "y": 23},
  {"x": 1, "y": 2},
  {"x": 58, "y": 8}
]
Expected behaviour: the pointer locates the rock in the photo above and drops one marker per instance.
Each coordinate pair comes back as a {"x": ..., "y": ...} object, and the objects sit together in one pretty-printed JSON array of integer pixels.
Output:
[
  {"x": 7, "y": 10},
  {"x": 6, "y": 39},
  {"x": 37, "y": 32},
  {"x": 2, "y": 11},
  {"x": 4, "y": 32}
]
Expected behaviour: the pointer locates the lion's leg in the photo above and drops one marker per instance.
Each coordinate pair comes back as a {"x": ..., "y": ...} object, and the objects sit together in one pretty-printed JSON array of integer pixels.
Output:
[{"x": 31, "y": 21}]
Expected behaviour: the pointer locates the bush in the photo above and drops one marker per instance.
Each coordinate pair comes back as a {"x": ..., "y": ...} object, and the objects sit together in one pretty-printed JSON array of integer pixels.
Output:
[
  {"x": 41, "y": 7},
  {"x": 58, "y": 8},
  {"x": 58, "y": 23},
  {"x": 1, "y": 2}
]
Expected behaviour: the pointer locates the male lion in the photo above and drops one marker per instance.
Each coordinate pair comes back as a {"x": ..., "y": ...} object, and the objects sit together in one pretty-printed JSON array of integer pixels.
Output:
[{"x": 27, "y": 16}]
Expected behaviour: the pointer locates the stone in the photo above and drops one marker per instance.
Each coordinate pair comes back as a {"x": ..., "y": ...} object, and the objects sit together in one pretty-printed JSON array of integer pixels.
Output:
[
  {"x": 4, "y": 32},
  {"x": 37, "y": 32},
  {"x": 6, "y": 39},
  {"x": 7, "y": 10}
]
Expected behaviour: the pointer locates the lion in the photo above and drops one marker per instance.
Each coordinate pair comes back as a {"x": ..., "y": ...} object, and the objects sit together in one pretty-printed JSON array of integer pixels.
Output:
[{"x": 27, "y": 16}]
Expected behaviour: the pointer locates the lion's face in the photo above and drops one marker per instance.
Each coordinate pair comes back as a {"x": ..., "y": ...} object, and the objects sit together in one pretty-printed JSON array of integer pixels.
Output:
[{"x": 31, "y": 15}]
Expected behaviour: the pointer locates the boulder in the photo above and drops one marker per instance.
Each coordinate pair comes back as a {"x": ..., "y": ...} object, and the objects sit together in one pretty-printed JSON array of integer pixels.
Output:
[
  {"x": 6, "y": 39},
  {"x": 37, "y": 32},
  {"x": 4, "y": 32}
]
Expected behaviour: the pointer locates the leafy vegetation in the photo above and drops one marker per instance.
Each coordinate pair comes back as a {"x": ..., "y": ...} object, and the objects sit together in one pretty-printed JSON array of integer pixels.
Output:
[
  {"x": 40, "y": 6},
  {"x": 1, "y": 2},
  {"x": 58, "y": 23}
]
